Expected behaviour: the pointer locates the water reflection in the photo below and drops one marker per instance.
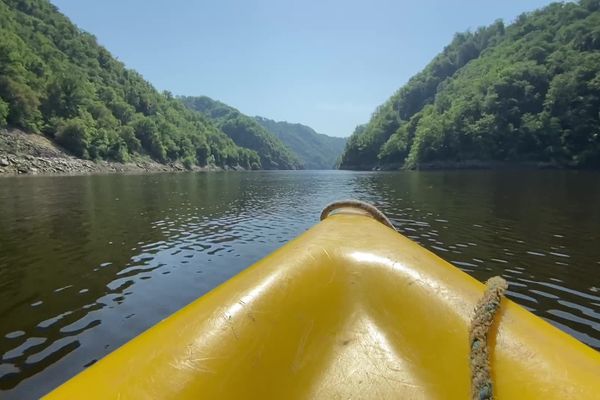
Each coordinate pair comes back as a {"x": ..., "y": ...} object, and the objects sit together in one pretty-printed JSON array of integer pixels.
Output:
[{"x": 86, "y": 263}]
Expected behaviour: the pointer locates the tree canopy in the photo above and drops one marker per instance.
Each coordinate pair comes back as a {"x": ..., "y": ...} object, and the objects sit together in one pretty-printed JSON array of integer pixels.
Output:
[
  {"x": 246, "y": 132},
  {"x": 315, "y": 150},
  {"x": 57, "y": 80},
  {"x": 529, "y": 91}
]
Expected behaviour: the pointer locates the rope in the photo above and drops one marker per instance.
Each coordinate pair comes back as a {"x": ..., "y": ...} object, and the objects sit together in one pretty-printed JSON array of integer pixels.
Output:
[
  {"x": 369, "y": 208},
  {"x": 485, "y": 311}
]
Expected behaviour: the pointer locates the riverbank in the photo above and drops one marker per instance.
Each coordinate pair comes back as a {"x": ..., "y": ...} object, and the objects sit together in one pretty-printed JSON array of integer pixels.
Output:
[
  {"x": 479, "y": 164},
  {"x": 467, "y": 165},
  {"x": 31, "y": 154}
]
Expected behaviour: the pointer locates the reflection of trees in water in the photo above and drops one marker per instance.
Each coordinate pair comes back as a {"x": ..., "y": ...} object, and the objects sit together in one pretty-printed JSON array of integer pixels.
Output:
[{"x": 65, "y": 239}]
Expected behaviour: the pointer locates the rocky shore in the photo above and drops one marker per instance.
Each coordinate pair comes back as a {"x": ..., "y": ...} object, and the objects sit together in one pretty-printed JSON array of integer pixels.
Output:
[{"x": 31, "y": 154}]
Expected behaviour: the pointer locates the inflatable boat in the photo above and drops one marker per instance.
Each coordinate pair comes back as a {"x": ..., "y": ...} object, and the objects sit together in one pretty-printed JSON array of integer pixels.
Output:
[{"x": 349, "y": 309}]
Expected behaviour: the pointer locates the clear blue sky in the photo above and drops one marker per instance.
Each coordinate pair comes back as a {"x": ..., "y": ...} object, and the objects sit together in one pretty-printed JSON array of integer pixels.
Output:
[{"x": 324, "y": 63}]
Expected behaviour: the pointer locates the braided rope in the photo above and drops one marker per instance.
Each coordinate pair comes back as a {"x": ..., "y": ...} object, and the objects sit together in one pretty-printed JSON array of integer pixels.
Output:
[
  {"x": 369, "y": 208},
  {"x": 485, "y": 311}
]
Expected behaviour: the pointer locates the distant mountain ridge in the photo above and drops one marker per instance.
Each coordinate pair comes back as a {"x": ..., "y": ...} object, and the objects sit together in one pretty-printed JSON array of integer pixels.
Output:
[
  {"x": 245, "y": 132},
  {"x": 315, "y": 150}
]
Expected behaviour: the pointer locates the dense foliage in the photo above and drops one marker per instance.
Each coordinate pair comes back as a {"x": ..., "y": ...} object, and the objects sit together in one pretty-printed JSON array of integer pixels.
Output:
[
  {"x": 56, "y": 79},
  {"x": 315, "y": 150},
  {"x": 246, "y": 132},
  {"x": 526, "y": 92}
]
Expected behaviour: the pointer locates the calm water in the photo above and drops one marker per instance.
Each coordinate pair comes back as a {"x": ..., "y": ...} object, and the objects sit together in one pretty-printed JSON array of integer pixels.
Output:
[{"x": 86, "y": 263}]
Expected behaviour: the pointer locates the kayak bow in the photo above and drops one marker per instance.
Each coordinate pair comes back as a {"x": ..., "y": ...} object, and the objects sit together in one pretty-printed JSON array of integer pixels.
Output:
[{"x": 350, "y": 309}]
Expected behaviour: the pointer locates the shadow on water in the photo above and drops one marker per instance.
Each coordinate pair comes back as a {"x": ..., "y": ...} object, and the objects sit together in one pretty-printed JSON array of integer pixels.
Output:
[{"x": 86, "y": 263}]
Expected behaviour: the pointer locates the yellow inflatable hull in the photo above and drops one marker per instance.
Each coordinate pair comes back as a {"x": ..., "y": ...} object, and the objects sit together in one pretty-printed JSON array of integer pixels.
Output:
[{"x": 350, "y": 309}]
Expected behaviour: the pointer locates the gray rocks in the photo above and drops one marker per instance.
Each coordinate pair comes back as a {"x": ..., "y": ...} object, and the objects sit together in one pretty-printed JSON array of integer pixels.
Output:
[{"x": 22, "y": 153}]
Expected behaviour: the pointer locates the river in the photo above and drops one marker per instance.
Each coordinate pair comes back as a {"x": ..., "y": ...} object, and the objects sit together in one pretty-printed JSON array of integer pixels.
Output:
[{"x": 88, "y": 262}]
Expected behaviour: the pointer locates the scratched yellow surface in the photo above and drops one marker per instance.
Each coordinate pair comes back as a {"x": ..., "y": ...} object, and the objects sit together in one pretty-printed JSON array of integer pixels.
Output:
[{"x": 350, "y": 309}]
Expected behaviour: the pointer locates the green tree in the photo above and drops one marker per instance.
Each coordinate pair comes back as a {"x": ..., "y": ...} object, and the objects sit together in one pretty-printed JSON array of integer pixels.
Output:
[
  {"x": 74, "y": 135},
  {"x": 245, "y": 132},
  {"x": 56, "y": 79},
  {"x": 526, "y": 92},
  {"x": 3, "y": 113}
]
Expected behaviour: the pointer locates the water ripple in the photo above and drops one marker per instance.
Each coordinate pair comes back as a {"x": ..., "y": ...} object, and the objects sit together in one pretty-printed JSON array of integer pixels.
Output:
[{"x": 81, "y": 273}]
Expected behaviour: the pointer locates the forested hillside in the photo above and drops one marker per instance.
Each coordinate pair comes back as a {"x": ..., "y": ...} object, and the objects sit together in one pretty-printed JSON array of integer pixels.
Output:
[
  {"x": 246, "y": 132},
  {"x": 527, "y": 92},
  {"x": 315, "y": 150},
  {"x": 55, "y": 79}
]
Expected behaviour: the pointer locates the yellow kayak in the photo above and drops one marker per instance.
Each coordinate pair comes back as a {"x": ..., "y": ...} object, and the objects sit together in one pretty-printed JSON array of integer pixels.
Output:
[{"x": 350, "y": 309}]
